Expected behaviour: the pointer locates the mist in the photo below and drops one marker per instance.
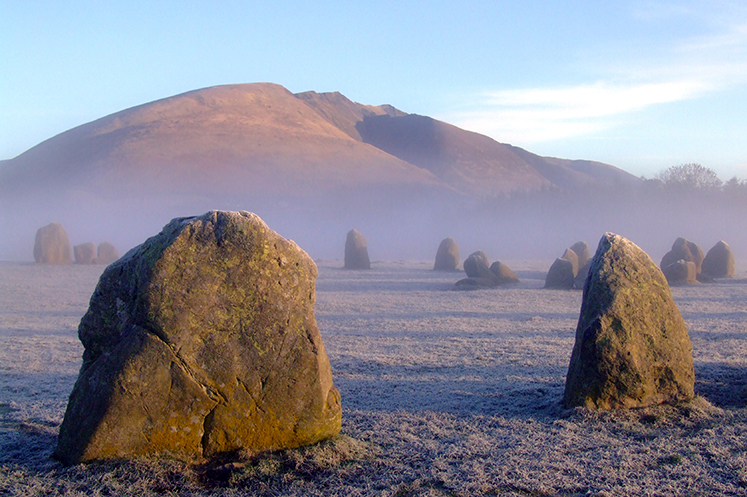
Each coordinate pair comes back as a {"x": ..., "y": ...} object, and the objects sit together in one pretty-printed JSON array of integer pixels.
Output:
[{"x": 401, "y": 223}]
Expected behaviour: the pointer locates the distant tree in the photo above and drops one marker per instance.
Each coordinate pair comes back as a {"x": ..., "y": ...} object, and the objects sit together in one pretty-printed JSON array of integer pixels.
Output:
[{"x": 689, "y": 177}]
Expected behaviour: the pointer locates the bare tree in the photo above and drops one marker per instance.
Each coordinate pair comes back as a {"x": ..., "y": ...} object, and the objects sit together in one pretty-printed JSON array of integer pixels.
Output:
[{"x": 689, "y": 176}]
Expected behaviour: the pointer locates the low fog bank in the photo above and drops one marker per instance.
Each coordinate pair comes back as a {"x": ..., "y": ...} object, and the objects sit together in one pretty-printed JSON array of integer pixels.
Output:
[{"x": 401, "y": 224}]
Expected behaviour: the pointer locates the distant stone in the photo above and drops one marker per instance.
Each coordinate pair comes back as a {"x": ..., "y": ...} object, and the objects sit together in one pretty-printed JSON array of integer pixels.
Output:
[
  {"x": 681, "y": 273},
  {"x": 685, "y": 250},
  {"x": 502, "y": 274},
  {"x": 201, "y": 341},
  {"x": 560, "y": 275},
  {"x": 719, "y": 261},
  {"x": 106, "y": 253},
  {"x": 571, "y": 257},
  {"x": 632, "y": 348},
  {"x": 447, "y": 256},
  {"x": 52, "y": 246},
  {"x": 581, "y": 249},
  {"x": 580, "y": 279},
  {"x": 356, "y": 251},
  {"x": 84, "y": 253},
  {"x": 476, "y": 265}
]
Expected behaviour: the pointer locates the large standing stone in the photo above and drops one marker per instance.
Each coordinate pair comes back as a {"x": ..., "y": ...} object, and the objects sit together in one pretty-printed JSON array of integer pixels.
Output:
[
  {"x": 632, "y": 348},
  {"x": 719, "y": 261},
  {"x": 85, "y": 253},
  {"x": 52, "y": 246},
  {"x": 356, "y": 251},
  {"x": 447, "y": 256},
  {"x": 476, "y": 265},
  {"x": 581, "y": 249},
  {"x": 106, "y": 253},
  {"x": 681, "y": 273},
  {"x": 571, "y": 257},
  {"x": 202, "y": 341}
]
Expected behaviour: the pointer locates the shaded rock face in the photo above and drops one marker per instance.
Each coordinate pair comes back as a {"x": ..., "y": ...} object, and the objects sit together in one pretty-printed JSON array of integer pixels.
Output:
[
  {"x": 581, "y": 249},
  {"x": 201, "y": 341},
  {"x": 52, "y": 246},
  {"x": 476, "y": 265},
  {"x": 84, "y": 253},
  {"x": 560, "y": 275},
  {"x": 580, "y": 280},
  {"x": 681, "y": 273},
  {"x": 106, "y": 253},
  {"x": 632, "y": 348},
  {"x": 685, "y": 250},
  {"x": 719, "y": 261},
  {"x": 447, "y": 256},
  {"x": 356, "y": 251}
]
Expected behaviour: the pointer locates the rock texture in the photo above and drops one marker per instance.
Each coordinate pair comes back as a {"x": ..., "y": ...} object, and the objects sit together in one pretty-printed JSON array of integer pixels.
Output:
[
  {"x": 684, "y": 250},
  {"x": 84, "y": 253},
  {"x": 571, "y": 257},
  {"x": 106, "y": 253},
  {"x": 52, "y": 246},
  {"x": 719, "y": 261},
  {"x": 447, "y": 256},
  {"x": 201, "y": 341},
  {"x": 356, "y": 251},
  {"x": 632, "y": 348}
]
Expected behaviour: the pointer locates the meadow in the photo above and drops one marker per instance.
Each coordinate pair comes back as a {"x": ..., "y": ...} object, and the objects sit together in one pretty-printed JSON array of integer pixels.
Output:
[{"x": 444, "y": 393}]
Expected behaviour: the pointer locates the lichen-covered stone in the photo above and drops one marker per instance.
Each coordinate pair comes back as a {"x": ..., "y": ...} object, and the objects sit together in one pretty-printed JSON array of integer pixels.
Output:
[
  {"x": 52, "y": 246},
  {"x": 84, "y": 253},
  {"x": 447, "y": 256},
  {"x": 202, "y": 341},
  {"x": 356, "y": 251},
  {"x": 106, "y": 253},
  {"x": 632, "y": 348},
  {"x": 719, "y": 261}
]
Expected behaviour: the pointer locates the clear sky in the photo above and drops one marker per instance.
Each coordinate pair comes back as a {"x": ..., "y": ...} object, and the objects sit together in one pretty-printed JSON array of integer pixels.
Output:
[{"x": 641, "y": 84}]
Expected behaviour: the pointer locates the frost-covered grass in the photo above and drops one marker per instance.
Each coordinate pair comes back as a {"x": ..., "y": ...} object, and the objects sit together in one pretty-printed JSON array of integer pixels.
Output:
[{"x": 444, "y": 393}]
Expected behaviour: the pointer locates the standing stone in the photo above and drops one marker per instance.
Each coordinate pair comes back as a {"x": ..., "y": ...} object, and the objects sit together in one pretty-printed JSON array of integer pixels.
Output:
[
  {"x": 52, "y": 245},
  {"x": 632, "y": 348},
  {"x": 684, "y": 250},
  {"x": 447, "y": 256},
  {"x": 356, "y": 251},
  {"x": 581, "y": 249},
  {"x": 719, "y": 261},
  {"x": 681, "y": 273},
  {"x": 503, "y": 274},
  {"x": 560, "y": 275},
  {"x": 106, "y": 253},
  {"x": 571, "y": 257},
  {"x": 85, "y": 253},
  {"x": 476, "y": 265},
  {"x": 198, "y": 342},
  {"x": 580, "y": 280}
]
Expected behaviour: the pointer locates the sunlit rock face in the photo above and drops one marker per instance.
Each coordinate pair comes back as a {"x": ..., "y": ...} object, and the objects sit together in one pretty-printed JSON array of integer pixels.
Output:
[
  {"x": 356, "y": 251},
  {"x": 201, "y": 341},
  {"x": 719, "y": 261},
  {"x": 683, "y": 249},
  {"x": 632, "y": 348},
  {"x": 52, "y": 245},
  {"x": 106, "y": 253}
]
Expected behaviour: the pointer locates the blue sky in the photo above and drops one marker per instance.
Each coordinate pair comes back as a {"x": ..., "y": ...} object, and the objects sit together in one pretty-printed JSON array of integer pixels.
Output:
[{"x": 643, "y": 85}]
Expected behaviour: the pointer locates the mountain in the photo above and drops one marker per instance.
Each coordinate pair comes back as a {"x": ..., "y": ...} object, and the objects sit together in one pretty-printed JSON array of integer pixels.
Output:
[{"x": 304, "y": 159}]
